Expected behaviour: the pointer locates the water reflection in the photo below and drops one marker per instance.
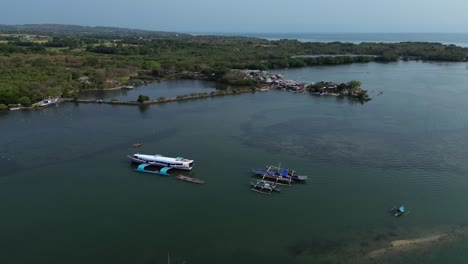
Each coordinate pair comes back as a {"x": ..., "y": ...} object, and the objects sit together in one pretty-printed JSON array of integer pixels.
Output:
[
  {"x": 166, "y": 89},
  {"x": 143, "y": 108}
]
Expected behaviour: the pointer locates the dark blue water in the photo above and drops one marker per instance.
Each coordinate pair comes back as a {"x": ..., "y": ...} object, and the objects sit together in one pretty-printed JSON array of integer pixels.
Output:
[
  {"x": 69, "y": 195},
  {"x": 166, "y": 89}
]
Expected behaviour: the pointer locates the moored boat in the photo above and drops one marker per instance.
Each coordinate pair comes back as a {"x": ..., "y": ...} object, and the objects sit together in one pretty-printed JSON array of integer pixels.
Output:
[
  {"x": 148, "y": 168},
  {"x": 189, "y": 179},
  {"x": 399, "y": 211},
  {"x": 159, "y": 160},
  {"x": 264, "y": 187},
  {"x": 279, "y": 174},
  {"x": 13, "y": 107},
  {"x": 48, "y": 102},
  {"x": 137, "y": 145}
]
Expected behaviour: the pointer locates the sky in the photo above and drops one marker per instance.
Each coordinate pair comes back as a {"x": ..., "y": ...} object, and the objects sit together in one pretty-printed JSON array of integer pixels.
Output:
[{"x": 266, "y": 16}]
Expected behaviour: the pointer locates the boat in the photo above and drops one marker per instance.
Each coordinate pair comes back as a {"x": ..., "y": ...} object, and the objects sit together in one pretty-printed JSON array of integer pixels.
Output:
[
  {"x": 14, "y": 107},
  {"x": 264, "y": 187},
  {"x": 162, "y": 161},
  {"x": 148, "y": 168},
  {"x": 137, "y": 145},
  {"x": 398, "y": 211},
  {"x": 189, "y": 179},
  {"x": 48, "y": 102},
  {"x": 279, "y": 174}
]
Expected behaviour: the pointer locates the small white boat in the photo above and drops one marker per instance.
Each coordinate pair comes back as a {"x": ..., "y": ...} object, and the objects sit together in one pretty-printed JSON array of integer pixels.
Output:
[
  {"x": 48, "y": 102},
  {"x": 264, "y": 187},
  {"x": 13, "y": 107}
]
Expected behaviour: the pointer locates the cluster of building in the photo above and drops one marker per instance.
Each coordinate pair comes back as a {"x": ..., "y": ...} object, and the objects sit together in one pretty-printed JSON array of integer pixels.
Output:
[{"x": 277, "y": 81}]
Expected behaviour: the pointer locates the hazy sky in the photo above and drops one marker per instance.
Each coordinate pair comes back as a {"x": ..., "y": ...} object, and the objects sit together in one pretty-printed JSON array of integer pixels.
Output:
[{"x": 246, "y": 15}]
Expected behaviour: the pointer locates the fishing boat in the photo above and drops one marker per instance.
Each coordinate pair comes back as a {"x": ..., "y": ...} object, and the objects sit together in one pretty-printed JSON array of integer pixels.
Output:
[
  {"x": 264, "y": 187},
  {"x": 148, "y": 168},
  {"x": 189, "y": 179},
  {"x": 159, "y": 160},
  {"x": 398, "y": 211},
  {"x": 279, "y": 174},
  {"x": 137, "y": 145},
  {"x": 48, "y": 102}
]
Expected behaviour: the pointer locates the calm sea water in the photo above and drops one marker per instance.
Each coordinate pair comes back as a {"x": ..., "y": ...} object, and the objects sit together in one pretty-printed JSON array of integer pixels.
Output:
[
  {"x": 460, "y": 39},
  {"x": 69, "y": 195},
  {"x": 167, "y": 89}
]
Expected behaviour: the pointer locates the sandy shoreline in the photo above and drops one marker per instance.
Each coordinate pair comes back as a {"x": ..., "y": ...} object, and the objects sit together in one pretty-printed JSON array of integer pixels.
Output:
[{"x": 398, "y": 246}]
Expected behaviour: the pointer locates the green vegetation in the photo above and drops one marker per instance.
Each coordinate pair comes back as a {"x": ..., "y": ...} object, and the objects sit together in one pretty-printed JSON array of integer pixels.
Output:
[
  {"x": 143, "y": 98},
  {"x": 25, "y": 101},
  {"x": 59, "y": 60},
  {"x": 3, "y": 107},
  {"x": 352, "y": 89}
]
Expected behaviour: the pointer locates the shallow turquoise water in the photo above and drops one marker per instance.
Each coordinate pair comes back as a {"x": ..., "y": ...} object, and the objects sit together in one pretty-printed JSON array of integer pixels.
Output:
[{"x": 70, "y": 196}]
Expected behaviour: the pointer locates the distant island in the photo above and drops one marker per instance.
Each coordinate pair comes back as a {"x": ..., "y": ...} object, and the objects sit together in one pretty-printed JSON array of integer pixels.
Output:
[{"x": 40, "y": 61}]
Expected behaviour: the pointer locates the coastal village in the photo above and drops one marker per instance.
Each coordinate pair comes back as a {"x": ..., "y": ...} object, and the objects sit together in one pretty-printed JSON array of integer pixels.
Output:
[{"x": 277, "y": 81}]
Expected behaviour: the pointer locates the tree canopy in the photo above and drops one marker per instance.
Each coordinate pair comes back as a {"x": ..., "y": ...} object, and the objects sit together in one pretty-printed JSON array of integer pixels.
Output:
[{"x": 65, "y": 63}]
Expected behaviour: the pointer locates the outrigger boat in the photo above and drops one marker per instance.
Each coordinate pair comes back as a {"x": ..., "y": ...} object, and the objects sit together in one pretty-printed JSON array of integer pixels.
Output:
[
  {"x": 159, "y": 160},
  {"x": 264, "y": 187},
  {"x": 399, "y": 211},
  {"x": 189, "y": 179},
  {"x": 146, "y": 168},
  {"x": 279, "y": 175}
]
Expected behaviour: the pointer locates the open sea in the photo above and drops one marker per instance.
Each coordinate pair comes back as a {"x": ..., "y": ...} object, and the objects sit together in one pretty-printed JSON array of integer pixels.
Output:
[{"x": 68, "y": 194}]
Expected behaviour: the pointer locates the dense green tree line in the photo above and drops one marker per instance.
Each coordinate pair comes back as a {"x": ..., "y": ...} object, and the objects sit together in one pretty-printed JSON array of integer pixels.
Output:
[{"x": 30, "y": 71}]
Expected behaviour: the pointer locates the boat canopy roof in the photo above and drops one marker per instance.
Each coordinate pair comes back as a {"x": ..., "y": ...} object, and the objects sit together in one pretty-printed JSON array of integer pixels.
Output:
[
  {"x": 402, "y": 208},
  {"x": 284, "y": 172}
]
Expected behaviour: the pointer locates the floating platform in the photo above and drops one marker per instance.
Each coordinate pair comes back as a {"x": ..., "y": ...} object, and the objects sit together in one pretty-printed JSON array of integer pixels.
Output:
[{"x": 189, "y": 179}]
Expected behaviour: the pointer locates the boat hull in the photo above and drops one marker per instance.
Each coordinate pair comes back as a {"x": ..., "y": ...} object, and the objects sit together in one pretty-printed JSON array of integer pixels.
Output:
[
  {"x": 159, "y": 164},
  {"x": 145, "y": 169},
  {"x": 275, "y": 175}
]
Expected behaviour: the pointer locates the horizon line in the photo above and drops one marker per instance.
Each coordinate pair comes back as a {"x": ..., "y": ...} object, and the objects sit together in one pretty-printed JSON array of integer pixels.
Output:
[{"x": 236, "y": 31}]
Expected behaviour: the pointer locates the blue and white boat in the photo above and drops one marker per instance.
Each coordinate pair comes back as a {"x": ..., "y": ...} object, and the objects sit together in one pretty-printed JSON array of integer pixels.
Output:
[
  {"x": 279, "y": 174},
  {"x": 399, "y": 211},
  {"x": 148, "y": 168},
  {"x": 159, "y": 160}
]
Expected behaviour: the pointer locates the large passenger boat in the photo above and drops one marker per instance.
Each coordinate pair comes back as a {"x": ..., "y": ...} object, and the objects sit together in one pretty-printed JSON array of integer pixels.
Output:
[{"x": 159, "y": 160}]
